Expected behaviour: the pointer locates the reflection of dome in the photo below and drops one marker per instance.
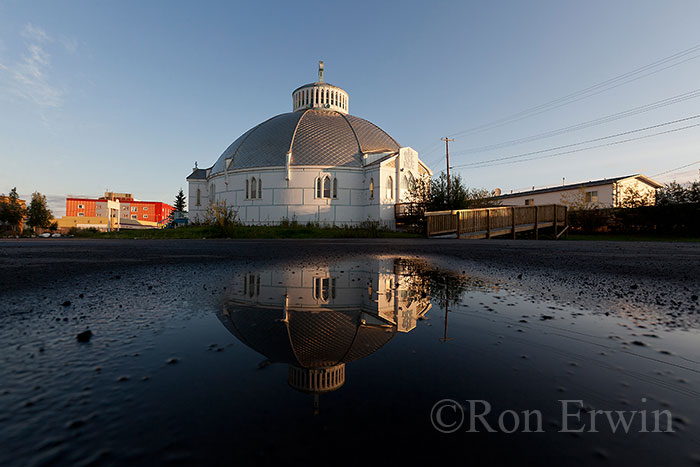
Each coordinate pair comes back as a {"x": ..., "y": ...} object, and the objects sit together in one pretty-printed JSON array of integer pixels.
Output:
[
  {"x": 317, "y": 319},
  {"x": 313, "y": 137},
  {"x": 306, "y": 339}
]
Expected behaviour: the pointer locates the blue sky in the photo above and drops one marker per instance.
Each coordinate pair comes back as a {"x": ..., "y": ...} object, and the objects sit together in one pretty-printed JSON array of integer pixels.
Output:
[{"x": 126, "y": 95}]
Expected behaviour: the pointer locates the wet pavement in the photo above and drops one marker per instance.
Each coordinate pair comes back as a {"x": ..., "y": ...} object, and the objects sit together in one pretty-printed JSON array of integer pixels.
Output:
[{"x": 261, "y": 352}]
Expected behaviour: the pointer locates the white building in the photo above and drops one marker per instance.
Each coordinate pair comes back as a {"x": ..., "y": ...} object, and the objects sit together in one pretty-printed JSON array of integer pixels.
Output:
[
  {"x": 605, "y": 193},
  {"x": 315, "y": 164}
]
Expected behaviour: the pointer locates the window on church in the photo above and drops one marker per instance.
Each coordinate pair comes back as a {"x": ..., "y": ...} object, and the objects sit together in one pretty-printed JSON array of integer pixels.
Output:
[
  {"x": 321, "y": 288},
  {"x": 253, "y": 187},
  {"x": 319, "y": 193},
  {"x": 260, "y": 188},
  {"x": 335, "y": 188},
  {"x": 390, "y": 188},
  {"x": 327, "y": 187},
  {"x": 411, "y": 181},
  {"x": 251, "y": 284},
  {"x": 404, "y": 183},
  {"x": 371, "y": 188},
  {"x": 199, "y": 197}
]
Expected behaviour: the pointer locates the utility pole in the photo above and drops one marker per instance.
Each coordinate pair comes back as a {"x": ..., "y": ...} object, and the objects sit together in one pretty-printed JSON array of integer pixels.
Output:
[
  {"x": 447, "y": 154},
  {"x": 447, "y": 309}
]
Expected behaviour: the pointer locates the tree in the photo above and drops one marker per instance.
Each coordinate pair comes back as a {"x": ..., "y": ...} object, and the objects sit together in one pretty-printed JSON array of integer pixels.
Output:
[
  {"x": 220, "y": 215},
  {"x": 633, "y": 197},
  {"x": 180, "y": 202},
  {"x": 675, "y": 193},
  {"x": 39, "y": 214},
  {"x": 434, "y": 195},
  {"x": 577, "y": 201},
  {"x": 11, "y": 210}
]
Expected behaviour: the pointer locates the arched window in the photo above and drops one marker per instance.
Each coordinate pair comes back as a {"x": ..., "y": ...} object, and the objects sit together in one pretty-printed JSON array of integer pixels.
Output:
[
  {"x": 199, "y": 197},
  {"x": 390, "y": 188},
  {"x": 319, "y": 192},
  {"x": 253, "y": 187},
  {"x": 371, "y": 188},
  {"x": 321, "y": 286},
  {"x": 411, "y": 181},
  {"x": 335, "y": 188},
  {"x": 327, "y": 187},
  {"x": 260, "y": 188}
]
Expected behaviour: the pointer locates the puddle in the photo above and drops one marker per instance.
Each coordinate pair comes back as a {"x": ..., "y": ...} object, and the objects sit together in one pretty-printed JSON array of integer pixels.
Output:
[{"x": 267, "y": 363}]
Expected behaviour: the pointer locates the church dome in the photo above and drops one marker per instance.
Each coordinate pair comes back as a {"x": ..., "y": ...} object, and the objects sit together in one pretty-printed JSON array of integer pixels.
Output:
[
  {"x": 312, "y": 137},
  {"x": 318, "y": 132},
  {"x": 306, "y": 339}
]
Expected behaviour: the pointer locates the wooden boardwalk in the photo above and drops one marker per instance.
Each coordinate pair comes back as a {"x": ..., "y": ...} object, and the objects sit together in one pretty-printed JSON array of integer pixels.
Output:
[{"x": 497, "y": 221}]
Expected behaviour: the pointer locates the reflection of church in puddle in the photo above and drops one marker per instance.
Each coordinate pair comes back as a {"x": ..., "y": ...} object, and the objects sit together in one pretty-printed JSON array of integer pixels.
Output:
[{"x": 318, "y": 319}]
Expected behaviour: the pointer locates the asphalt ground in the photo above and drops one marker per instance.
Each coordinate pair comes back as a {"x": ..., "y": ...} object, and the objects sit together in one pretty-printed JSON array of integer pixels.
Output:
[{"x": 633, "y": 276}]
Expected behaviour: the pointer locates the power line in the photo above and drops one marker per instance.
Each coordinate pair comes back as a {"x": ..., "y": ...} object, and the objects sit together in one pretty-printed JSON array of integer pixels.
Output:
[
  {"x": 584, "y": 149},
  {"x": 603, "y": 86},
  {"x": 676, "y": 169},
  {"x": 617, "y": 135},
  {"x": 580, "y": 126}
]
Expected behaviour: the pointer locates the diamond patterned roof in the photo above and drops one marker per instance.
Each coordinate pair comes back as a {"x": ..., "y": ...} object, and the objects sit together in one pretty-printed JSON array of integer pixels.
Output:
[
  {"x": 309, "y": 339},
  {"x": 316, "y": 137}
]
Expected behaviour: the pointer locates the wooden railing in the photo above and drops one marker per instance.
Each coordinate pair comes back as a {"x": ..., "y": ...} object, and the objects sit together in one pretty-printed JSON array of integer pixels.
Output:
[
  {"x": 406, "y": 210},
  {"x": 492, "y": 222}
]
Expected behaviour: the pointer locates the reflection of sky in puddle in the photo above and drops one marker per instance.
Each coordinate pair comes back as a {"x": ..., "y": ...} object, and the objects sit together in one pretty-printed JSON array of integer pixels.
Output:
[{"x": 366, "y": 348}]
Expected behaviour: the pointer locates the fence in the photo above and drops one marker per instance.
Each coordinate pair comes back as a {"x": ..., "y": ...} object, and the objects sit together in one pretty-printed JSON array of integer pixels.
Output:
[{"x": 492, "y": 222}]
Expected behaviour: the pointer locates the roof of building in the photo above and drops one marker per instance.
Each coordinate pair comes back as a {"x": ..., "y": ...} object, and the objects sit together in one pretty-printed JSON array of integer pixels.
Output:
[
  {"x": 317, "y": 83},
  {"x": 313, "y": 137},
  {"x": 198, "y": 174},
  {"x": 306, "y": 339},
  {"x": 603, "y": 181}
]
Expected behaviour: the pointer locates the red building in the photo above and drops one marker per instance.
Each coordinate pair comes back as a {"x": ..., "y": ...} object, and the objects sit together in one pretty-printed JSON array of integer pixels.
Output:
[{"x": 129, "y": 208}]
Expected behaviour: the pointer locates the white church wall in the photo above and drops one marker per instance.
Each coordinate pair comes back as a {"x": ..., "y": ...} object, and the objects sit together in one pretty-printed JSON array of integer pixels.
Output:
[
  {"x": 196, "y": 211},
  {"x": 295, "y": 199}
]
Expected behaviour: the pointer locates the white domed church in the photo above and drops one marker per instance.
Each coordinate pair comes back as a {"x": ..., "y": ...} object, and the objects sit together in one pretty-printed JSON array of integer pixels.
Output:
[{"x": 317, "y": 163}]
